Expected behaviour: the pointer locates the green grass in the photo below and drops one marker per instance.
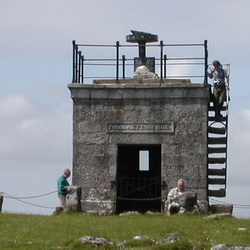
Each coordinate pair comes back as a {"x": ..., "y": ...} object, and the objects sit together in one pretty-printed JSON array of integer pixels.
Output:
[{"x": 18, "y": 231}]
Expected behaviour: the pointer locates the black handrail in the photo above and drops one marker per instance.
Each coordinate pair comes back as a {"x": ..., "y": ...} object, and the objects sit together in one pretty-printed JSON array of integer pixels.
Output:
[
  {"x": 80, "y": 61},
  {"x": 206, "y": 62}
]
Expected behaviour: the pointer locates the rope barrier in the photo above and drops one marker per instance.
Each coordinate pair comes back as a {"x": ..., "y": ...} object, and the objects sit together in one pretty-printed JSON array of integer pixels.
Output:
[
  {"x": 241, "y": 206},
  {"x": 29, "y": 203},
  {"x": 35, "y": 205},
  {"x": 30, "y": 197}
]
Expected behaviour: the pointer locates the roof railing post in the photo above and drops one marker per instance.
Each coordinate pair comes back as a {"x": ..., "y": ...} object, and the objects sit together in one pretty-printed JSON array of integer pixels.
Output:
[
  {"x": 79, "y": 67},
  {"x": 76, "y": 63},
  {"x": 165, "y": 66},
  {"x": 117, "y": 61},
  {"x": 82, "y": 66},
  {"x": 161, "y": 62},
  {"x": 123, "y": 66},
  {"x": 74, "y": 60}
]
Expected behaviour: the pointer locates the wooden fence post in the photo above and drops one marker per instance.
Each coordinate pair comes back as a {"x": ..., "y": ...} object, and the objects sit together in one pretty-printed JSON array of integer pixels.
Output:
[{"x": 1, "y": 201}]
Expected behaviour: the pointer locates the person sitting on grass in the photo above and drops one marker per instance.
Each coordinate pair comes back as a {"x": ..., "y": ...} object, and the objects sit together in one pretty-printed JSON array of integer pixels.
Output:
[
  {"x": 174, "y": 197},
  {"x": 180, "y": 201}
]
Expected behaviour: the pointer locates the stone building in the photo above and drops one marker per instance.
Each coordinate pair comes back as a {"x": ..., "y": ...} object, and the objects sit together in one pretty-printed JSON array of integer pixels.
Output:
[{"x": 134, "y": 138}]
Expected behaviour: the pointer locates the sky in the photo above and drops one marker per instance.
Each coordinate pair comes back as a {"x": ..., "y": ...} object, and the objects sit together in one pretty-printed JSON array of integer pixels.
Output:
[{"x": 36, "y": 66}]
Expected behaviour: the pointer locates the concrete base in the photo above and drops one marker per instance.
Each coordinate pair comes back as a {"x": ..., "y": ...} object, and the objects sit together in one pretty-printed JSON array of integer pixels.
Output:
[{"x": 221, "y": 208}]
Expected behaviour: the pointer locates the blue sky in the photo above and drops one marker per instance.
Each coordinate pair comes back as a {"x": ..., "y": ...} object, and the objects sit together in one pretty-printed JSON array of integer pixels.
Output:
[{"x": 36, "y": 66}]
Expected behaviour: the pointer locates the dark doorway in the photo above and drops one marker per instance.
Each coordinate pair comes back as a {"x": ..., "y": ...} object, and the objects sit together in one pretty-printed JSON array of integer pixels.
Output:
[{"x": 138, "y": 178}]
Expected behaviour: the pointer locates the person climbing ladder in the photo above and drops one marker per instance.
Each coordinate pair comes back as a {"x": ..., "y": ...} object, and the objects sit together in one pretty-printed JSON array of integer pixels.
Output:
[{"x": 219, "y": 91}]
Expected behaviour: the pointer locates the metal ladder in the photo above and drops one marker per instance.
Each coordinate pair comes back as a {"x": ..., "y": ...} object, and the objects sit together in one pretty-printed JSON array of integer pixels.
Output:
[{"x": 217, "y": 145}]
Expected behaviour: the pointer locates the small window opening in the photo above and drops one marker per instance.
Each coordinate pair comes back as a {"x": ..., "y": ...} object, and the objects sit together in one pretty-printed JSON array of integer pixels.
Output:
[{"x": 144, "y": 160}]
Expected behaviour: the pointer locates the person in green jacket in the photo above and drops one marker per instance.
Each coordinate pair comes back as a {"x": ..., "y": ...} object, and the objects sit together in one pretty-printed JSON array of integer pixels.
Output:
[{"x": 62, "y": 184}]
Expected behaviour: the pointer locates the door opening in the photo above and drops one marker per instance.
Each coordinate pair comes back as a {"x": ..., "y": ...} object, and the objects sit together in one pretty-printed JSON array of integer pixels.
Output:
[{"x": 138, "y": 178}]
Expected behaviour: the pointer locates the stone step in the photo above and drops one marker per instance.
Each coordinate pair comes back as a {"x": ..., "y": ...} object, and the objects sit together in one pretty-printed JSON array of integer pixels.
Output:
[{"x": 221, "y": 208}]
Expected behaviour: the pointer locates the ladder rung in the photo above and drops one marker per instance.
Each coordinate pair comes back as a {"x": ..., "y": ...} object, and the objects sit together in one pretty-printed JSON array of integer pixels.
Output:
[
  {"x": 217, "y": 160},
  {"x": 217, "y": 150},
  {"x": 217, "y": 193},
  {"x": 218, "y": 119},
  {"x": 217, "y": 140},
  {"x": 220, "y": 131},
  {"x": 217, "y": 181},
  {"x": 221, "y": 172},
  {"x": 211, "y": 108}
]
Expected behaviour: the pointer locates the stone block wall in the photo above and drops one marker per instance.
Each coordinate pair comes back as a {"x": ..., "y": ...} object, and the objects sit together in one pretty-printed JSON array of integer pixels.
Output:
[{"x": 183, "y": 151}]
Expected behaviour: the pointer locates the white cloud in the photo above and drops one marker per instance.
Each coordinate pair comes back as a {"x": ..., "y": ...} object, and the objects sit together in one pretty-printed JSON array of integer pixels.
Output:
[
  {"x": 35, "y": 148},
  {"x": 238, "y": 162},
  {"x": 33, "y": 26},
  {"x": 30, "y": 137},
  {"x": 239, "y": 147},
  {"x": 15, "y": 107}
]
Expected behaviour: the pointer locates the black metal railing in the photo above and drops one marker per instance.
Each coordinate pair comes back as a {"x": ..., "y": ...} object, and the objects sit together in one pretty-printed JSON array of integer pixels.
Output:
[
  {"x": 89, "y": 66},
  {"x": 138, "y": 194}
]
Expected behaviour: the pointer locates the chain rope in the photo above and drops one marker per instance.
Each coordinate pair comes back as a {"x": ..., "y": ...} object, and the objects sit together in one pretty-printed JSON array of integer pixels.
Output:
[
  {"x": 241, "y": 206},
  {"x": 30, "y": 197}
]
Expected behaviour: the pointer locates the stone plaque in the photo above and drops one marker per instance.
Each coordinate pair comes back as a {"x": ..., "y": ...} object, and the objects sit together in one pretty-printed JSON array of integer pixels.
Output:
[{"x": 140, "y": 127}]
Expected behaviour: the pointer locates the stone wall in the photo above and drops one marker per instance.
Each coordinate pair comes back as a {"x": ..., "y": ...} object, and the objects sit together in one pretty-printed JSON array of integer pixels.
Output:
[{"x": 184, "y": 150}]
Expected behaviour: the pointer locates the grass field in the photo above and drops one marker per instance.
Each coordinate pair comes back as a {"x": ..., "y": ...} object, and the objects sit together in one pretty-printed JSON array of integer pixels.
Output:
[{"x": 19, "y": 231}]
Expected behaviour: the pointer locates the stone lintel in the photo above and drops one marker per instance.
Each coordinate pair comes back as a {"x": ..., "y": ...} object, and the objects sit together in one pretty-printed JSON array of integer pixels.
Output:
[{"x": 141, "y": 91}]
